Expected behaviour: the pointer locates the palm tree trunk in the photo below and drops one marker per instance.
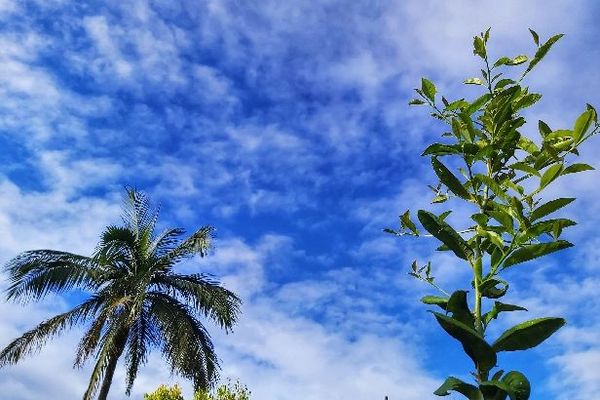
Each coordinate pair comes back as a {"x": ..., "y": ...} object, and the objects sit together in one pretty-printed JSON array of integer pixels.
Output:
[{"x": 112, "y": 365}]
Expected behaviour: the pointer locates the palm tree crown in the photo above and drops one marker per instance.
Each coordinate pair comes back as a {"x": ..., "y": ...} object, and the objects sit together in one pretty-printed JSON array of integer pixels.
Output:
[{"x": 136, "y": 300}]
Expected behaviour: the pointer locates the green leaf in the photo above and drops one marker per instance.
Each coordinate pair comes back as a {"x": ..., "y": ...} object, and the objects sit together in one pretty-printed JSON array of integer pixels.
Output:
[
  {"x": 501, "y": 61},
  {"x": 495, "y": 390},
  {"x": 479, "y": 47},
  {"x": 474, "y": 345},
  {"x": 406, "y": 222},
  {"x": 478, "y": 103},
  {"x": 498, "y": 308},
  {"x": 435, "y": 300},
  {"x": 440, "y": 149},
  {"x": 533, "y": 251},
  {"x": 445, "y": 233},
  {"x": 541, "y": 52},
  {"x": 550, "y": 175},
  {"x": 527, "y": 101},
  {"x": 521, "y": 166},
  {"x": 448, "y": 179},
  {"x": 492, "y": 184},
  {"x": 489, "y": 288},
  {"x": 578, "y": 167},
  {"x": 544, "y": 128},
  {"x": 503, "y": 82},
  {"x": 455, "y": 384},
  {"x": 582, "y": 124},
  {"x": 457, "y": 305},
  {"x": 528, "y": 334},
  {"x": 473, "y": 81},
  {"x": 536, "y": 38},
  {"x": 428, "y": 89},
  {"x": 481, "y": 219},
  {"x": 519, "y": 384},
  {"x": 416, "y": 102},
  {"x": 550, "y": 207},
  {"x": 518, "y": 60}
]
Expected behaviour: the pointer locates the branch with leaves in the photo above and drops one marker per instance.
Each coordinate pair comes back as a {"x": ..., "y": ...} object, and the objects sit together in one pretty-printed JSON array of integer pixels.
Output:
[{"x": 502, "y": 176}]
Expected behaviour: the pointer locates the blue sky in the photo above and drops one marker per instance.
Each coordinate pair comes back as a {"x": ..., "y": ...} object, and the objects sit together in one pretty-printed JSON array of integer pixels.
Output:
[{"x": 284, "y": 125}]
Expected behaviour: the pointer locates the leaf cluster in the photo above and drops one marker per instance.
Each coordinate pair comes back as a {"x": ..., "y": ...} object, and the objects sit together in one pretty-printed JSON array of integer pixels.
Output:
[{"x": 486, "y": 161}]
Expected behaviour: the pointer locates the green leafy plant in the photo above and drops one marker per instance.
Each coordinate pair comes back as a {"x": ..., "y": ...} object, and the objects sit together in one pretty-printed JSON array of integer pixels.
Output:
[
  {"x": 135, "y": 300},
  {"x": 229, "y": 391},
  {"x": 164, "y": 392},
  {"x": 485, "y": 161}
]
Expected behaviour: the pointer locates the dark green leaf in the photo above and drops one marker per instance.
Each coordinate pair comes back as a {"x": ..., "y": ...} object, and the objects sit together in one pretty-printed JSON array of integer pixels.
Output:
[
  {"x": 457, "y": 305},
  {"x": 439, "y": 149},
  {"x": 498, "y": 308},
  {"x": 544, "y": 128},
  {"x": 455, "y": 384},
  {"x": 574, "y": 168},
  {"x": 416, "y": 102},
  {"x": 445, "y": 233},
  {"x": 474, "y": 345},
  {"x": 448, "y": 179},
  {"x": 536, "y": 38},
  {"x": 533, "y": 251},
  {"x": 528, "y": 334},
  {"x": 495, "y": 390},
  {"x": 519, "y": 384},
  {"x": 493, "y": 288},
  {"x": 435, "y": 300},
  {"x": 541, "y": 52},
  {"x": 550, "y": 207},
  {"x": 428, "y": 89}
]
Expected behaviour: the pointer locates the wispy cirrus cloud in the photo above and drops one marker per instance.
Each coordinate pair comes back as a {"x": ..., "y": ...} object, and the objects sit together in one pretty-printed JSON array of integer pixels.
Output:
[{"x": 286, "y": 126}]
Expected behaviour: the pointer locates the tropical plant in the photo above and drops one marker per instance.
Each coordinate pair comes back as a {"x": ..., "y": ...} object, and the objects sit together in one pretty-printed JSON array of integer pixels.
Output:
[
  {"x": 135, "y": 300},
  {"x": 164, "y": 392},
  {"x": 500, "y": 174},
  {"x": 229, "y": 391}
]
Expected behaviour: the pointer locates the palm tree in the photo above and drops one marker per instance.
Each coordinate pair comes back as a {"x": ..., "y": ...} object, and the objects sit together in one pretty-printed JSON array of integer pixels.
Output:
[{"x": 136, "y": 300}]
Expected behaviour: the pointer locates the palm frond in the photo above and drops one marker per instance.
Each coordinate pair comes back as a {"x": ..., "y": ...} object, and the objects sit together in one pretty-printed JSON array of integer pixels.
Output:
[
  {"x": 112, "y": 344},
  {"x": 33, "y": 340},
  {"x": 138, "y": 213},
  {"x": 165, "y": 241},
  {"x": 197, "y": 244},
  {"x": 204, "y": 294},
  {"x": 142, "y": 334},
  {"x": 186, "y": 343},
  {"x": 33, "y": 274}
]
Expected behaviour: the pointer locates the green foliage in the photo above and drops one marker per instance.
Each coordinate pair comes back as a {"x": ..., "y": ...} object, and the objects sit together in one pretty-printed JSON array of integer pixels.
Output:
[
  {"x": 229, "y": 391},
  {"x": 137, "y": 301},
  {"x": 164, "y": 392},
  {"x": 500, "y": 174}
]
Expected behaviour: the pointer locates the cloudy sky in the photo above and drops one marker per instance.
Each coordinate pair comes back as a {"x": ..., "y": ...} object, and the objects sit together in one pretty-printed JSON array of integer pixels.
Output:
[{"x": 284, "y": 124}]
